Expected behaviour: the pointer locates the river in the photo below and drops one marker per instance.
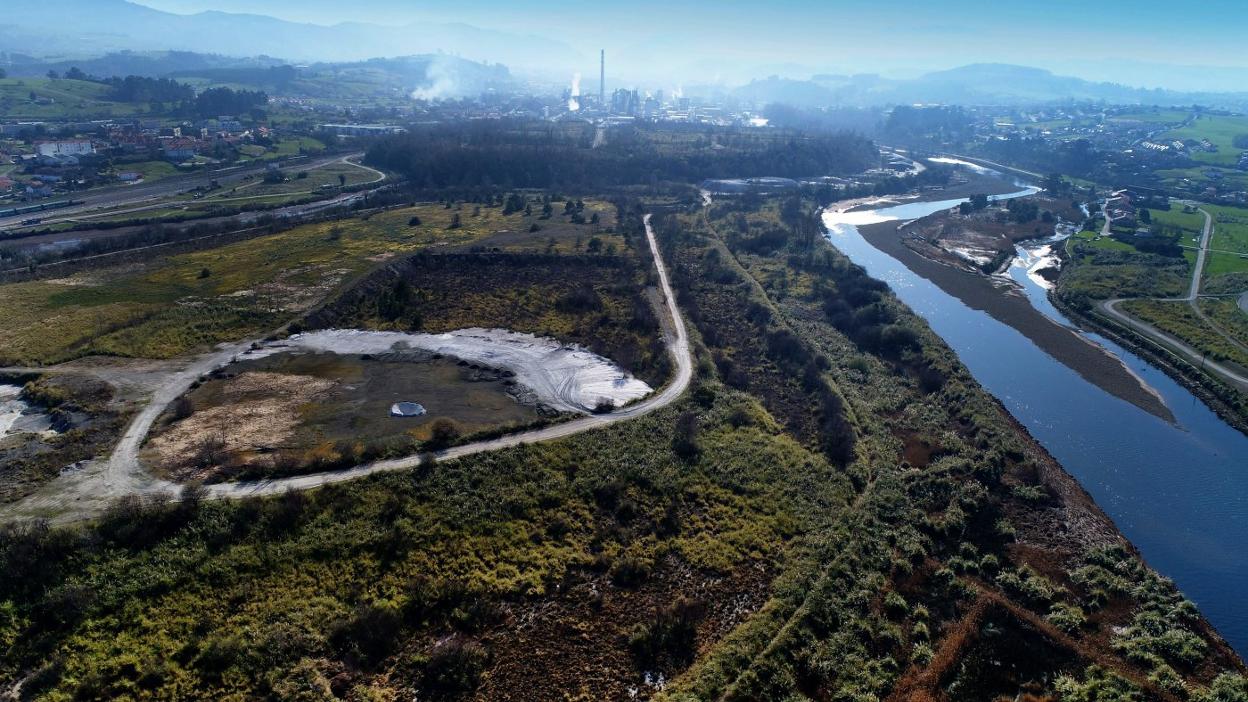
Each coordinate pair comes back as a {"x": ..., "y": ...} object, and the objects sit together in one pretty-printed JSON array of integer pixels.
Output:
[{"x": 1178, "y": 491}]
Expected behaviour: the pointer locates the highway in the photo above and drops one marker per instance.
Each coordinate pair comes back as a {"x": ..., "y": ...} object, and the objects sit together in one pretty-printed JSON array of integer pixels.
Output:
[{"x": 141, "y": 194}]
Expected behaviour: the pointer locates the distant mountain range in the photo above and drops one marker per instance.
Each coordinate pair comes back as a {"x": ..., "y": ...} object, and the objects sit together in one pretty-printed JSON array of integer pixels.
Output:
[
  {"x": 423, "y": 75},
  {"x": 74, "y": 29},
  {"x": 976, "y": 84},
  {"x": 69, "y": 32}
]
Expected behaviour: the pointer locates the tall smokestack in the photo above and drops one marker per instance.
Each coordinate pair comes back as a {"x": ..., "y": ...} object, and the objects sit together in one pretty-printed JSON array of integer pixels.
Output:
[{"x": 602, "y": 78}]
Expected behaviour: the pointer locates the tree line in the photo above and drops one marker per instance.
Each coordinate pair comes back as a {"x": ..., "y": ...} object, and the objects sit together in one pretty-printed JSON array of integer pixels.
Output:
[
  {"x": 519, "y": 154},
  {"x": 185, "y": 102}
]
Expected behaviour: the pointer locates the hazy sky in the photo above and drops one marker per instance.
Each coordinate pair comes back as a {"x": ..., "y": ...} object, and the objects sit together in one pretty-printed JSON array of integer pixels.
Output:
[{"x": 1110, "y": 39}]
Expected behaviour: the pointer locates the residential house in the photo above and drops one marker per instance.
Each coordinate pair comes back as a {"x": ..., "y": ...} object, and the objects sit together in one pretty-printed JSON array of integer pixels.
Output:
[{"x": 180, "y": 149}]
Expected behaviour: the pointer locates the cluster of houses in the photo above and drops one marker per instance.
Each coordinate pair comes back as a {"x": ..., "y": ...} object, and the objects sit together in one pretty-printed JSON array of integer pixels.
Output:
[
  {"x": 1121, "y": 211},
  {"x": 1175, "y": 146},
  {"x": 112, "y": 137},
  {"x": 39, "y": 186},
  {"x": 184, "y": 143},
  {"x": 47, "y": 164},
  {"x": 1123, "y": 207}
]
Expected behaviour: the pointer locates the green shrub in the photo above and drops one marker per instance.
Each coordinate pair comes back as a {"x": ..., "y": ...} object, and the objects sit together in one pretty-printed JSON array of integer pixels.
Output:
[
  {"x": 1227, "y": 687},
  {"x": 670, "y": 636},
  {"x": 369, "y": 633},
  {"x": 1066, "y": 617},
  {"x": 454, "y": 669},
  {"x": 1098, "y": 685}
]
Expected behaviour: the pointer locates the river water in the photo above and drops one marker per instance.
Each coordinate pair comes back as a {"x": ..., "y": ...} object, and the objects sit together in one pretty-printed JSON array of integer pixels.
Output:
[{"x": 1178, "y": 492}]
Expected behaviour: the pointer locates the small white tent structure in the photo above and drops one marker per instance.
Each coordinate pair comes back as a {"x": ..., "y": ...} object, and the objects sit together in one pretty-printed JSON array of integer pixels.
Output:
[{"x": 406, "y": 409}]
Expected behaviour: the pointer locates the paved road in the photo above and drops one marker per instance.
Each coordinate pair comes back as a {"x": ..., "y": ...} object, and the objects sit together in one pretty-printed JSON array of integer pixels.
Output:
[
  {"x": 87, "y": 493},
  {"x": 1194, "y": 289},
  {"x": 137, "y": 195},
  {"x": 1110, "y": 309},
  {"x": 1178, "y": 346}
]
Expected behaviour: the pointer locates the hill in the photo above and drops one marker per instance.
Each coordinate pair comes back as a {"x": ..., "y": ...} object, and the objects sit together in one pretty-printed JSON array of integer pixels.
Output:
[
  {"x": 61, "y": 99},
  {"x": 426, "y": 75},
  {"x": 974, "y": 84},
  {"x": 111, "y": 25}
]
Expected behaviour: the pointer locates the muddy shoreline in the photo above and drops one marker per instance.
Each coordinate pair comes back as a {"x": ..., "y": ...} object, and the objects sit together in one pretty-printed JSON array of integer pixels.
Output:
[
  {"x": 1178, "y": 370},
  {"x": 1011, "y": 307}
]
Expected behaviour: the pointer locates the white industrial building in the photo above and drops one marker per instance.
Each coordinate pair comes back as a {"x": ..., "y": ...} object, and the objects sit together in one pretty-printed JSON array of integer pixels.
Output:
[{"x": 74, "y": 147}]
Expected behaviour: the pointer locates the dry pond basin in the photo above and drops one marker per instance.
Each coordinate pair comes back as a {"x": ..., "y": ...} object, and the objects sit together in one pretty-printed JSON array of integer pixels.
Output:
[{"x": 334, "y": 398}]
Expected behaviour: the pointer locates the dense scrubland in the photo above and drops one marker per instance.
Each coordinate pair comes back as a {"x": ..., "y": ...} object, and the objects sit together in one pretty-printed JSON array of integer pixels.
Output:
[
  {"x": 836, "y": 511},
  {"x": 597, "y": 301}
]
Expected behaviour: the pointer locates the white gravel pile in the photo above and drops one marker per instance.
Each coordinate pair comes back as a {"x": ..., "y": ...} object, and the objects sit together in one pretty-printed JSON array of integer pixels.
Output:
[
  {"x": 566, "y": 377},
  {"x": 16, "y": 417}
]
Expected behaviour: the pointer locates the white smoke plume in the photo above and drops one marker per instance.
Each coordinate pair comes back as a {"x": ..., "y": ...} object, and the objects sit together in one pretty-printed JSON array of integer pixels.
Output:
[
  {"x": 441, "y": 81},
  {"x": 574, "y": 102}
]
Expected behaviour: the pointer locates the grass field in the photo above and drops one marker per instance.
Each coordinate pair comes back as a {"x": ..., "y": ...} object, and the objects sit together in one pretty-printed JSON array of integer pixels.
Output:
[
  {"x": 1104, "y": 243},
  {"x": 294, "y": 147},
  {"x": 1230, "y": 228},
  {"x": 1108, "y": 268},
  {"x": 1230, "y": 178},
  {"x": 70, "y": 99},
  {"x": 1179, "y": 319},
  {"x": 1156, "y": 116},
  {"x": 1220, "y": 264},
  {"x": 1218, "y": 130},
  {"x": 168, "y": 306},
  {"x": 315, "y": 180},
  {"x": 1047, "y": 124},
  {"x": 152, "y": 170},
  {"x": 1193, "y": 223},
  {"x": 1225, "y": 312},
  {"x": 1229, "y": 243}
]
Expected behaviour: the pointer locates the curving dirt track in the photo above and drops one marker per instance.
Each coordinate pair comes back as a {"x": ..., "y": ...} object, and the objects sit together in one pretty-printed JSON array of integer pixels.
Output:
[{"x": 88, "y": 492}]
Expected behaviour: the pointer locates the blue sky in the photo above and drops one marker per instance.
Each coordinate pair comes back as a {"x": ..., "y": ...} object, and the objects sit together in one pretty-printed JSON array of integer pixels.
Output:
[{"x": 1132, "y": 41}]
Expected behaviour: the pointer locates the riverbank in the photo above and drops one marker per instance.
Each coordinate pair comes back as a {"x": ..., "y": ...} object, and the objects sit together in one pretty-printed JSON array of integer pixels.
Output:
[
  {"x": 1174, "y": 488},
  {"x": 1215, "y": 397},
  {"x": 1003, "y": 303},
  {"x": 994, "y": 296}
]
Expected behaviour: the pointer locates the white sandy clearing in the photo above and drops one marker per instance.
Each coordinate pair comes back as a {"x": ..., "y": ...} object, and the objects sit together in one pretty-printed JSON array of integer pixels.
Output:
[
  {"x": 566, "y": 377},
  {"x": 16, "y": 417}
]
